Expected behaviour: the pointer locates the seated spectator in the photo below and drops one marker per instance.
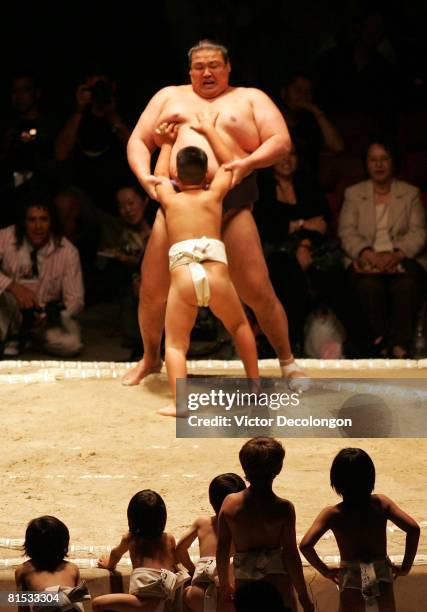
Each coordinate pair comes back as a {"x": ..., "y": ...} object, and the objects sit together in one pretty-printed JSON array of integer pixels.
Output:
[
  {"x": 383, "y": 233},
  {"x": 92, "y": 143},
  {"x": 80, "y": 221},
  {"x": 310, "y": 129},
  {"x": 292, "y": 216},
  {"x": 26, "y": 140},
  {"x": 41, "y": 287},
  {"x": 119, "y": 260}
]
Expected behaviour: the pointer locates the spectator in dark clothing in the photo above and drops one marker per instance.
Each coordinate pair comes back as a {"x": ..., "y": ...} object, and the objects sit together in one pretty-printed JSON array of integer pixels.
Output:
[
  {"x": 310, "y": 129},
  {"x": 26, "y": 143},
  {"x": 292, "y": 216},
  {"x": 92, "y": 143}
]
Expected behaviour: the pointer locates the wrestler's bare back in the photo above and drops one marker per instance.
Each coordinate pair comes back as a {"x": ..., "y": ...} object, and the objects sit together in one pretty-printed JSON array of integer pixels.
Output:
[{"x": 236, "y": 123}]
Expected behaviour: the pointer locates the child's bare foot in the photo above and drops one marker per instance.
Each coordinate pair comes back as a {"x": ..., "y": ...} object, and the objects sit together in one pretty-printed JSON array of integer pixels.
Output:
[
  {"x": 170, "y": 410},
  {"x": 140, "y": 371},
  {"x": 297, "y": 380}
]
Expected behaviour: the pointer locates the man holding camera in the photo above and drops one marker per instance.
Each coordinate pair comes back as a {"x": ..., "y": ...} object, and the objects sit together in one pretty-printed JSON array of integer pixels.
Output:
[
  {"x": 92, "y": 143},
  {"x": 41, "y": 287}
]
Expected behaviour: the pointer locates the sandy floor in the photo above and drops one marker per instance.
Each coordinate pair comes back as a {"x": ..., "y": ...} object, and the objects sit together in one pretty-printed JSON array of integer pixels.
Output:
[{"x": 80, "y": 449}]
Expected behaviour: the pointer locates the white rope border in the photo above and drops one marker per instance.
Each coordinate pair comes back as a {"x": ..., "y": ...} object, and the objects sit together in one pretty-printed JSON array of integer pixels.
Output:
[
  {"x": 17, "y": 543},
  {"x": 125, "y": 562},
  {"x": 52, "y": 371}
]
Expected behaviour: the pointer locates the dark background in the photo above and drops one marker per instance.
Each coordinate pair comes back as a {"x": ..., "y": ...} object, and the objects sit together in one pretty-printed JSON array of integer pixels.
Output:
[{"x": 144, "y": 44}]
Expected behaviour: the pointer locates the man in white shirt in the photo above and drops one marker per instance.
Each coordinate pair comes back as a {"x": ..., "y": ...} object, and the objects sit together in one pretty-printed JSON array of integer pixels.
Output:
[{"x": 41, "y": 286}]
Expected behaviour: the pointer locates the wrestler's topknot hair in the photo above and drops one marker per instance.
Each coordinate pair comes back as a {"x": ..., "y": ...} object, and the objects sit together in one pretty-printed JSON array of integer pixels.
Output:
[
  {"x": 46, "y": 542},
  {"x": 353, "y": 474},
  {"x": 206, "y": 43},
  {"x": 223, "y": 485},
  {"x": 147, "y": 514},
  {"x": 261, "y": 459},
  {"x": 191, "y": 165}
]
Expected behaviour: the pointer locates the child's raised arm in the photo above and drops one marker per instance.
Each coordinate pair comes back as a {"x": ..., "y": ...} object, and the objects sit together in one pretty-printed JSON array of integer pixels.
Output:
[
  {"x": 110, "y": 561},
  {"x": 167, "y": 133},
  {"x": 291, "y": 558},
  {"x": 402, "y": 520},
  {"x": 206, "y": 125},
  {"x": 184, "y": 544},
  {"x": 320, "y": 526}
]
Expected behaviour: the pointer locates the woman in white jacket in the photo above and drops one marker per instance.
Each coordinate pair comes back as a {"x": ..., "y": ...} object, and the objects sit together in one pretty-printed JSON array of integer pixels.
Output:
[{"x": 383, "y": 232}]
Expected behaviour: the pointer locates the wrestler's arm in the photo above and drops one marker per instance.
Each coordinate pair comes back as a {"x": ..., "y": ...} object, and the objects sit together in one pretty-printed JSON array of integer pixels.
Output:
[
  {"x": 272, "y": 129},
  {"x": 184, "y": 544},
  {"x": 110, "y": 561},
  {"x": 321, "y": 525},
  {"x": 141, "y": 142},
  {"x": 291, "y": 558},
  {"x": 411, "y": 528}
]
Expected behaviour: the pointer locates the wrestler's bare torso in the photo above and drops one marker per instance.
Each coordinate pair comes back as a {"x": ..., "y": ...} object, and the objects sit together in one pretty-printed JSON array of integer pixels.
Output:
[{"x": 236, "y": 122}]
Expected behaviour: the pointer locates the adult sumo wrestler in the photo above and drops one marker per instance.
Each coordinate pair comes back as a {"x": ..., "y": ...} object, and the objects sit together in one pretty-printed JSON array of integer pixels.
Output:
[{"x": 254, "y": 128}]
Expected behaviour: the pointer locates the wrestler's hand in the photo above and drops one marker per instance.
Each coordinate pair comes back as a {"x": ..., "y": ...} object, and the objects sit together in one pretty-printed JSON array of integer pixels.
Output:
[
  {"x": 167, "y": 132},
  {"x": 205, "y": 122},
  {"x": 149, "y": 182},
  {"x": 239, "y": 169}
]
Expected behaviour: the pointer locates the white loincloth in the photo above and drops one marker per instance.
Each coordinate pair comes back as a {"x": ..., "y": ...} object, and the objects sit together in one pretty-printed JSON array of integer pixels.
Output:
[
  {"x": 204, "y": 575},
  {"x": 70, "y": 599},
  {"x": 256, "y": 564},
  {"x": 191, "y": 253},
  {"x": 160, "y": 584},
  {"x": 366, "y": 578}
]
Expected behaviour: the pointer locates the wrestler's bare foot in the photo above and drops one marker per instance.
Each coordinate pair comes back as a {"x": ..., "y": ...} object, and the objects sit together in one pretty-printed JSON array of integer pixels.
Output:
[
  {"x": 170, "y": 410},
  {"x": 141, "y": 370},
  {"x": 297, "y": 380}
]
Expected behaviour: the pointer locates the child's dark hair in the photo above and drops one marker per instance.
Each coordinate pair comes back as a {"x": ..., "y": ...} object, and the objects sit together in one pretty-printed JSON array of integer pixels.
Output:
[
  {"x": 46, "y": 543},
  {"x": 147, "y": 514},
  {"x": 261, "y": 459},
  {"x": 353, "y": 474},
  {"x": 191, "y": 165},
  {"x": 223, "y": 485}
]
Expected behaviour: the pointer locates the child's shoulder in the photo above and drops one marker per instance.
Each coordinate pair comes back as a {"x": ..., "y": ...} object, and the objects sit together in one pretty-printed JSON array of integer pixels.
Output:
[
  {"x": 23, "y": 570},
  {"x": 232, "y": 501},
  {"x": 203, "y": 521},
  {"x": 381, "y": 500},
  {"x": 169, "y": 539},
  {"x": 285, "y": 505}
]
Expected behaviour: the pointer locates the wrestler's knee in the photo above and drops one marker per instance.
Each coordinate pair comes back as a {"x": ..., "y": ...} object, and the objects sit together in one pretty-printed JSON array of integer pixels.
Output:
[{"x": 259, "y": 295}]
